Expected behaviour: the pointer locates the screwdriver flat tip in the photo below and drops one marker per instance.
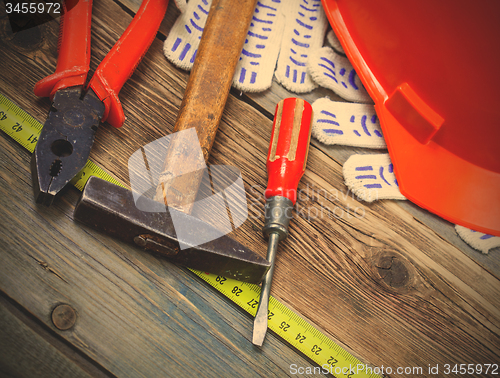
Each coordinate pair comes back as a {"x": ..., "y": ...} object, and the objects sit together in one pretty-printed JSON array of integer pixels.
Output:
[
  {"x": 260, "y": 327},
  {"x": 260, "y": 322}
]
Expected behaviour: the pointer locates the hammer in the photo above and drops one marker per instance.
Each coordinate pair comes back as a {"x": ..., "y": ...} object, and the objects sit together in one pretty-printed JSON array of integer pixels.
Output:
[{"x": 112, "y": 209}]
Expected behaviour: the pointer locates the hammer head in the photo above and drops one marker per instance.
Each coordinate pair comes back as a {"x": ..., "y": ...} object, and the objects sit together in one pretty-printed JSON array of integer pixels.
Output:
[{"x": 112, "y": 209}]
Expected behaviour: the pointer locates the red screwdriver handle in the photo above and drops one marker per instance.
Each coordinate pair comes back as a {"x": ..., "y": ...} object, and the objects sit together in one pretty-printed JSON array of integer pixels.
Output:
[{"x": 288, "y": 149}]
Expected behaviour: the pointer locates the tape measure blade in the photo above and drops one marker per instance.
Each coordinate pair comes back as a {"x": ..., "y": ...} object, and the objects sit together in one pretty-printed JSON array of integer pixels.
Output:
[
  {"x": 18, "y": 124},
  {"x": 289, "y": 326}
]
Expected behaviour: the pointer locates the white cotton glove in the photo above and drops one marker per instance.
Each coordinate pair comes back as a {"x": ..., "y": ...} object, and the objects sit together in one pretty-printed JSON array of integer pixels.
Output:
[
  {"x": 334, "y": 71},
  {"x": 254, "y": 71},
  {"x": 357, "y": 125},
  {"x": 330, "y": 68},
  {"x": 282, "y": 34},
  {"x": 345, "y": 123},
  {"x": 478, "y": 240},
  {"x": 182, "y": 42},
  {"x": 371, "y": 177},
  {"x": 304, "y": 33}
]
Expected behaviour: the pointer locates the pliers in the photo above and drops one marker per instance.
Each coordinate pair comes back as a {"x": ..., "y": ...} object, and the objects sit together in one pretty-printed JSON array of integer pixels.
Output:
[{"x": 66, "y": 139}]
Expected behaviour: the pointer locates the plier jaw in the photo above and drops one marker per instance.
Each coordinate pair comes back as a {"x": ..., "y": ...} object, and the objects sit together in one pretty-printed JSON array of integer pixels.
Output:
[{"x": 65, "y": 141}]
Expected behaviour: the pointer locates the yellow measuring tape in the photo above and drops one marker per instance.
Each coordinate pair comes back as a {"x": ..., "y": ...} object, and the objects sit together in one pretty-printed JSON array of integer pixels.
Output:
[{"x": 330, "y": 357}]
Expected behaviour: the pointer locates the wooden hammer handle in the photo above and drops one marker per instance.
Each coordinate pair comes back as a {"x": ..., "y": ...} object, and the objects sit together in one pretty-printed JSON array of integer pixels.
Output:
[{"x": 205, "y": 97}]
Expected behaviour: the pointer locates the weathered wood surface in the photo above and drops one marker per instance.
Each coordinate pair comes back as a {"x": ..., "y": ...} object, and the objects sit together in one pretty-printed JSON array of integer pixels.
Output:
[
  {"x": 386, "y": 280},
  {"x": 137, "y": 316},
  {"x": 27, "y": 349}
]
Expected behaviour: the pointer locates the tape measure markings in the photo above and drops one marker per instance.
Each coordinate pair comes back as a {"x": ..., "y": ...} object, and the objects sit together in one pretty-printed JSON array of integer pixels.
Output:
[
  {"x": 284, "y": 322},
  {"x": 289, "y": 326},
  {"x": 15, "y": 120}
]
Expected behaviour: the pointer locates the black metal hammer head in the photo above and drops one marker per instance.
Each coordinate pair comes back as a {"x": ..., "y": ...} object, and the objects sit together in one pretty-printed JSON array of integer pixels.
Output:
[{"x": 112, "y": 209}]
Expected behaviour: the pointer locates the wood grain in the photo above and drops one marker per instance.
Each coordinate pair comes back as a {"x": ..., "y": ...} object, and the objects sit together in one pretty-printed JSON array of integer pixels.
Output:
[
  {"x": 29, "y": 349},
  {"x": 137, "y": 316},
  {"x": 386, "y": 280}
]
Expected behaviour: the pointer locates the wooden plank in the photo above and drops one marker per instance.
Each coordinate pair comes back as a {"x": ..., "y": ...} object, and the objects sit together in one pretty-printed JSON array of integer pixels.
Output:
[
  {"x": 137, "y": 315},
  {"x": 372, "y": 276},
  {"x": 29, "y": 350}
]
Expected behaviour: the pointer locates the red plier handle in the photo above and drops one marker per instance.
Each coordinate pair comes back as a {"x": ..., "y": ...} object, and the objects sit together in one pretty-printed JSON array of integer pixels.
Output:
[{"x": 118, "y": 65}]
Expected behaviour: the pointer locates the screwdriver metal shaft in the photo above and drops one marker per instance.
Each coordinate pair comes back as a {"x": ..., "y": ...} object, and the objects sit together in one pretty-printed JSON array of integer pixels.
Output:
[
  {"x": 286, "y": 162},
  {"x": 260, "y": 323}
]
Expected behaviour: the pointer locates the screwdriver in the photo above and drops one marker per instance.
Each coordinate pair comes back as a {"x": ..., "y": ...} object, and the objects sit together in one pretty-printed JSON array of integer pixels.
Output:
[{"x": 286, "y": 163}]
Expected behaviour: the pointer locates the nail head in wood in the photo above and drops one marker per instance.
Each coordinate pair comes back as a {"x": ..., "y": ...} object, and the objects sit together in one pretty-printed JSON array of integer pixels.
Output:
[{"x": 63, "y": 317}]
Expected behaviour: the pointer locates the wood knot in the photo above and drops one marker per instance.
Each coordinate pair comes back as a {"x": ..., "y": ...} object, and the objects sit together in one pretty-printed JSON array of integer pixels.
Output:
[{"x": 394, "y": 270}]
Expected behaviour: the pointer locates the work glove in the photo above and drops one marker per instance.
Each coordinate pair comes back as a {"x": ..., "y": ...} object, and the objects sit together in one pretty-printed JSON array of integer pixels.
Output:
[
  {"x": 285, "y": 40},
  {"x": 274, "y": 42},
  {"x": 478, "y": 240}
]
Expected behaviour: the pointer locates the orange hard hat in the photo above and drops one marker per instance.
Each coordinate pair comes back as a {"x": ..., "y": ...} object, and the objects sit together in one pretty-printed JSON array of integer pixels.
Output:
[{"x": 433, "y": 70}]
